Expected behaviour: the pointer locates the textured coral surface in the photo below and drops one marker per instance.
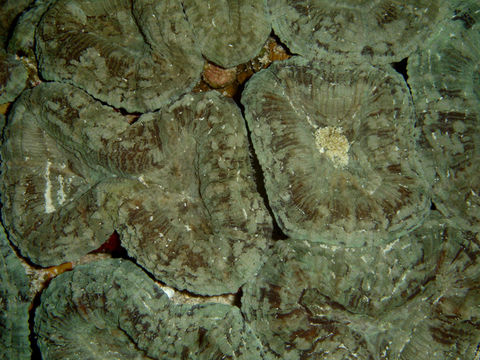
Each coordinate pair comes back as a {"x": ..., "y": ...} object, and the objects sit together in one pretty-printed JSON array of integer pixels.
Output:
[
  {"x": 337, "y": 145},
  {"x": 14, "y": 302},
  {"x": 115, "y": 308},
  {"x": 375, "y": 31},
  {"x": 273, "y": 179}
]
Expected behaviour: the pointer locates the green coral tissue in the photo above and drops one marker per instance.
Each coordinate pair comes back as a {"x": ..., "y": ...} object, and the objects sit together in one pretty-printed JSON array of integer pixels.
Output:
[{"x": 240, "y": 179}]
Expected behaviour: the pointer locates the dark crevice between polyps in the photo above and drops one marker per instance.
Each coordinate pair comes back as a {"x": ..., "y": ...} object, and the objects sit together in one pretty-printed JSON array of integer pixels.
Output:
[
  {"x": 14, "y": 24},
  {"x": 36, "y": 354},
  {"x": 290, "y": 53},
  {"x": 277, "y": 233},
  {"x": 237, "y": 300},
  {"x": 401, "y": 68},
  {"x": 130, "y": 117},
  {"x": 187, "y": 293},
  {"x": 467, "y": 19}
]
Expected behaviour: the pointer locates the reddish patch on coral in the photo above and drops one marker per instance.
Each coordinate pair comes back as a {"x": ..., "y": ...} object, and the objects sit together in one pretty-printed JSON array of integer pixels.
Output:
[
  {"x": 218, "y": 77},
  {"x": 110, "y": 246}
]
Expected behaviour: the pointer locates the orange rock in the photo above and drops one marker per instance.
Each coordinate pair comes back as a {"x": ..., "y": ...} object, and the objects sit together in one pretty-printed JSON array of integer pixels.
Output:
[
  {"x": 54, "y": 271},
  {"x": 4, "y": 108},
  {"x": 218, "y": 77}
]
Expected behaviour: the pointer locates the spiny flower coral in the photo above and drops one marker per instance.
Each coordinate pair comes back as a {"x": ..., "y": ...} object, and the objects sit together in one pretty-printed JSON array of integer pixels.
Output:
[{"x": 332, "y": 205}]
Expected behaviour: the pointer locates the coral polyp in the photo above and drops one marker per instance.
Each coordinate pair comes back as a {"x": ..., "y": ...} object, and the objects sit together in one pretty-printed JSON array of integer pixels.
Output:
[
  {"x": 113, "y": 310},
  {"x": 49, "y": 186},
  {"x": 337, "y": 147},
  {"x": 14, "y": 303},
  {"x": 228, "y": 32},
  {"x": 194, "y": 218},
  {"x": 240, "y": 179},
  {"x": 313, "y": 300},
  {"x": 446, "y": 89},
  {"x": 99, "y": 47},
  {"x": 378, "y": 32},
  {"x": 177, "y": 185}
]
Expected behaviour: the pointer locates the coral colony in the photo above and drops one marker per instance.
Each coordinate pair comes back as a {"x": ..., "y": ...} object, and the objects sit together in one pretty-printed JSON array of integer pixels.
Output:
[{"x": 277, "y": 179}]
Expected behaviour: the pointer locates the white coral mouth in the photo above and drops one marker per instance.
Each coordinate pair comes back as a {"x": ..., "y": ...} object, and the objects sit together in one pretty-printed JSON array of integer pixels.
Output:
[{"x": 330, "y": 141}]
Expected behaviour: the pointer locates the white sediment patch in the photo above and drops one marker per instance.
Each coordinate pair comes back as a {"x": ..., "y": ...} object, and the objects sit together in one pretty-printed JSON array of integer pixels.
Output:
[
  {"x": 49, "y": 207},
  {"x": 330, "y": 141},
  {"x": 61, "y": 196}
]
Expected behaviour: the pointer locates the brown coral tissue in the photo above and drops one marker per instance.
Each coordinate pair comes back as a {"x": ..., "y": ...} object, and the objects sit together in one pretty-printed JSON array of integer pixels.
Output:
[
  {"x": 337, "y": 146},
  {"x": 284, "y": 180}
]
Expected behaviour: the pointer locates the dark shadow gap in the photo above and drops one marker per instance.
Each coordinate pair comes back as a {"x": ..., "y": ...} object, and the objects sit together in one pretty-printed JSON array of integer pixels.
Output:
[
  {"x": 282, "y": 44},
  {"x": 277, "y": 233},
  {"x": 14, "y": 24},
  {"x": 36, "y": 354},
  {"x": 162, "y": 283},
  {"x": 237, "y": 301},
  {"x": 132, "y": 117},
  {"x": 401, "y": 68},
  {"x": 467, "y": 19}
]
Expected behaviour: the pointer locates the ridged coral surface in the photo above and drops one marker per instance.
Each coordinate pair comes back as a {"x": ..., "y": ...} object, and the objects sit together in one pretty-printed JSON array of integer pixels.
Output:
[
  {"x": 337, "y": 147},
  {"x": 177, "y": 185},
  {"x": 14, "y": 302},
  {"x": 137, "y": 55},
  {"x": 445, "y": 81},
  {"x": 238, "y": 179},
  {"x": 379, "y": 31},
  {"x": 113, "y": 310},
  {"x": 383, "y": 302},
  {"x": 229, "y": 32}
]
